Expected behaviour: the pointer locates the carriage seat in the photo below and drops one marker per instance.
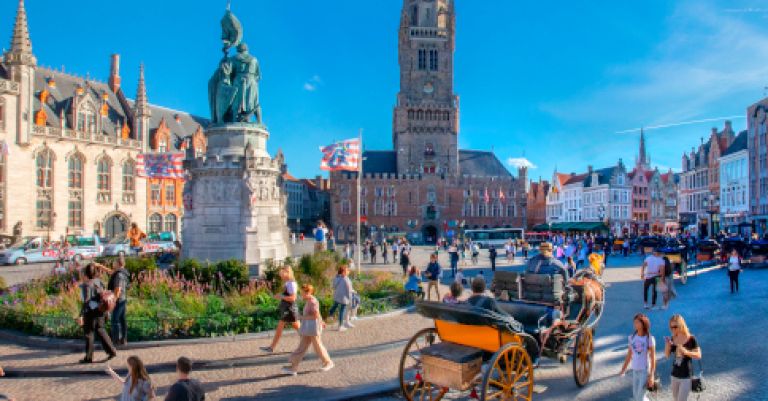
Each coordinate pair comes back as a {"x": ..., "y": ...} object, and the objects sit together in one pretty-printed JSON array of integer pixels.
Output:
[
  {"x": 529, "y": 315},
  {"x": 542, "y": 288}
]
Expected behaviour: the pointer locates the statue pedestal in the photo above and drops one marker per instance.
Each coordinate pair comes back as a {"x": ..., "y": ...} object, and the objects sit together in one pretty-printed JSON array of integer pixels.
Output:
[{"x": 234, "y": 203}]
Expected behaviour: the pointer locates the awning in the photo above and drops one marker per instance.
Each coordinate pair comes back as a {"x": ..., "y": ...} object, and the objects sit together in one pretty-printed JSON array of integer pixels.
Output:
[{"x": 572, "y": 226}]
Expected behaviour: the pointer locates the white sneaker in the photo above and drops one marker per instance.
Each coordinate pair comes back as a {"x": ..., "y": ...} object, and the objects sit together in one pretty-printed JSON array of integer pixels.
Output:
[
  {"x": 342, "y": 327},
  {"x": 646, "y": 306},
  {"x": 289, "y": 371},
  {"x": 349, "y": 324},
  {"x": 327, "y": 367}
]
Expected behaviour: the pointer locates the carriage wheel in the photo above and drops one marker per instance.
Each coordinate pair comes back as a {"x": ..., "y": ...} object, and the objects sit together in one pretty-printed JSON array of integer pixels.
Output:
[
  {"x": 509, "y": 376},
  {"x": 412, "y": 383},
  {"x": 582, "y": 357},
  {"x": 683, "y": 273}
]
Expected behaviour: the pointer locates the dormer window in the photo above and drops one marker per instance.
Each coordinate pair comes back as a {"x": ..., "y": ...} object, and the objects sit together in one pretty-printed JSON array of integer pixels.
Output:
[
  {"x": 162, "y": 146},
  {"x": 86, "y": 119}
]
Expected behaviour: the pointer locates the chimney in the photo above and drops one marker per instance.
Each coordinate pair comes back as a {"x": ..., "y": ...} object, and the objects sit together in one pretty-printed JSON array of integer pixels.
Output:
[{"x": 114, "y": 73}]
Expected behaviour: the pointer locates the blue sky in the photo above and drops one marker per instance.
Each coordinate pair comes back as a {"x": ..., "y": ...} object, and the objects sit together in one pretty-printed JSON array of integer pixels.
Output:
[{"x": 551, "y": 81}]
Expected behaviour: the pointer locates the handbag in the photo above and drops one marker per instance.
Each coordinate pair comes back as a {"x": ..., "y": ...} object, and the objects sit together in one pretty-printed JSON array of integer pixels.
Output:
[
  {"x": 697, "y": 380},
  {"x": 310, "y": 328}
]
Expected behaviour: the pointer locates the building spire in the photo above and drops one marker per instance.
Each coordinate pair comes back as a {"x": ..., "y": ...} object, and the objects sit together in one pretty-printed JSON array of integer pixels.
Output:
[
  {"x": 21, "y": 44},
  {"x": 642, "y": 158},
  {"x": 142, "y": 105}
]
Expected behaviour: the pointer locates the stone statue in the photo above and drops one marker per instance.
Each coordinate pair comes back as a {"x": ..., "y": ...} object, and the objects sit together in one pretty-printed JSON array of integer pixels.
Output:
[
  {"x": 233, "y": 91},
  {"x": 17, "y": 232}
]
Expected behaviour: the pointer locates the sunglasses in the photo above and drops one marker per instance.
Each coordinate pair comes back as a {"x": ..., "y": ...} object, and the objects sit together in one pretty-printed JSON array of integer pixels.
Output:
[{"x": 673, "y": 327}]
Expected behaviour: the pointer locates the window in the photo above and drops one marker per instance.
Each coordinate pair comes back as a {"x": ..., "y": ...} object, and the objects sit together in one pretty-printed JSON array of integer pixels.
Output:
[
  {"x": 155, "y": 190},
  {"x": 429, "y": 149},
  {"x": 391, "y": 208},
  {"x": 346, "y": 207},
  {"x": 422, "y": 59},
  {"x": 86, "y": 119},
  {"x": 104, "y": 180},
  {"x": 199, "y": 152},
  {"x": 129, "y": 182},
  {"x": 162, "y": 145},
  {"x": 170, "y": 223},
  {"x": 433, "y": 60},
  {"x": 378, "y": 208},
  {"x": 75, "y": 183},
  {"x": 391, "y": 191},
  {"x": 170, "y": 194},
  {"x": 481, "y": 210},
  {"x": 155, "y": 223},
  {"x": 44, "y": 174},
  {"x": 378, "y": 192}
]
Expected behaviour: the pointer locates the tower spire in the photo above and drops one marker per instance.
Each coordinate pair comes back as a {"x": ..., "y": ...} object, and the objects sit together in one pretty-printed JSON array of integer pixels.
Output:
[
  {"x": 642, "y": 158},
  {"x": 142, "y": 105},
  {"x": 21, "y": 44}
]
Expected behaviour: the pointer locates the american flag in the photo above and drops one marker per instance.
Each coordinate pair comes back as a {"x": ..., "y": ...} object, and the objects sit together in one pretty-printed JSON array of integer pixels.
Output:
[
  {"x": 344, "y": 155},
  {"x": 160, "y": 165}
]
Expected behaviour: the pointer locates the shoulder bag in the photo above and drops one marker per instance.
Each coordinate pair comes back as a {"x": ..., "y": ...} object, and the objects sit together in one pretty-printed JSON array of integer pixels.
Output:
[
  {"x": 310, "y": 328},
  {"x": 697, "y": 380}
]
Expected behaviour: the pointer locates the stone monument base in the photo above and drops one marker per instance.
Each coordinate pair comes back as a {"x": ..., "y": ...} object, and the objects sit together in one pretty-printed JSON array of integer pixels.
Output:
[{"x": 234, "y": 203}]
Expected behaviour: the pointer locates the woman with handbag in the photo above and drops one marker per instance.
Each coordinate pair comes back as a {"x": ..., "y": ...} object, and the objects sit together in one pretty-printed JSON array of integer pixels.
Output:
[
  {"x": 685, "y": 349},
  {"x": 342, "y": 297},
  {"x": 287, "y": 308},
  {"x": 311, "y": 329},
  {"x": 92, "y": 316},
  {"x": 642, "y": 356}
]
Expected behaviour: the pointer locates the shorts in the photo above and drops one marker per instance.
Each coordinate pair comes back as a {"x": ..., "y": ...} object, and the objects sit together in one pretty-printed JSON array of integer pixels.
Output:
[{"x": 289, "y": 312}]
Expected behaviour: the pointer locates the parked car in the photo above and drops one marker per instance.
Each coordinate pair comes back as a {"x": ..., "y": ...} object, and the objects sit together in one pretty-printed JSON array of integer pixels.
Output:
[
  {"x": 84, "y": 247},
  {"x": 154, "y": 243},
  {"x": 118, "y": 246},
  {"x": 29, "y": 250}
]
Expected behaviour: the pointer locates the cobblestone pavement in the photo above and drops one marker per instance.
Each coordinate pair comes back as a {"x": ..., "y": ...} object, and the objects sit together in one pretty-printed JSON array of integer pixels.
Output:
[{"x": 729, "y": 327}]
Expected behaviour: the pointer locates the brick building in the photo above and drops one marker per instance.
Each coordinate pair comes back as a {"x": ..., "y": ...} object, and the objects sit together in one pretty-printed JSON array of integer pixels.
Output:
[
  {"x": 427, "y": 187},
  {"x": 537, "y": 203},
  {"x": 757, "y": 146}
]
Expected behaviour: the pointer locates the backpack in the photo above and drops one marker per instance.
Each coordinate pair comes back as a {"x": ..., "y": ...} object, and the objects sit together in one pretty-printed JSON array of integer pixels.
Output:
[
  {"x": 319, "y": 234},
  {"x": 107, "y": 301},
  {"x": 112, "y": 285}
]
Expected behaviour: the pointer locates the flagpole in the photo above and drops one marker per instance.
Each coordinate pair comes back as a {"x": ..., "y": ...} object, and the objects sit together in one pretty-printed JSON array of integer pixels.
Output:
[{"x": 359, "y": 179}]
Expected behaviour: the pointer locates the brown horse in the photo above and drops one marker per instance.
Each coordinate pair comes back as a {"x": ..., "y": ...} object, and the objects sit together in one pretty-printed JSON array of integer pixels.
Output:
[{"x": 593, "y": 293}]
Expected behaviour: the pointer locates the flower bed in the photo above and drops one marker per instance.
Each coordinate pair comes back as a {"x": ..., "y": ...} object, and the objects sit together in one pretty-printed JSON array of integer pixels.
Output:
[{"x": 194, "y": 300}]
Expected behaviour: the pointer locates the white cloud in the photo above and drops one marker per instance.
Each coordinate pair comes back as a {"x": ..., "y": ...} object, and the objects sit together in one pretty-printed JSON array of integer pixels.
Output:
[
  {"x": 518, "y": 162},
  {"x": 313, "y": 83},
  {"x": 707, "y": 57}
]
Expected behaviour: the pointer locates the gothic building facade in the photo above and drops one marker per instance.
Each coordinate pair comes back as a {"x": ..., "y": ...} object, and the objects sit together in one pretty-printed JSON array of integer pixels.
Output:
[
  {"x": 69, "y": 146},
  {"x": 427, "y": 187}
]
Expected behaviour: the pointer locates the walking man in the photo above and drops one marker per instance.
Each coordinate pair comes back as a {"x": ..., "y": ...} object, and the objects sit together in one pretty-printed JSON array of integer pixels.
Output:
[
  {"x": 118, "y": 284},
  {"x": 649, "y": 273},
  {"x": 185, "y": 389}
]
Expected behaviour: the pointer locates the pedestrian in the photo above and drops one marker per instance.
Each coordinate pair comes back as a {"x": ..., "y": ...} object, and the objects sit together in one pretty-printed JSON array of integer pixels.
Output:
[
  {"x": 185, "y": 389},
  {"x": 596, "y": 262},
  {"x": 667, "y": 283},
  {"x": 394, "y": 251},
  {"x": 455, "y": 293},
  {"x": 492, "y": 256},
  {"x": 641, "y": 357},
  {"x": 92, "y": 315},
  {"x": 685, "y": 349},
  {"x": 582, "y": 256},
  {"x": 385, "y": 252},
  {"x": 137, "y": 386},
  {"x": 135, "y": 236},
  {"x": 342, "y": 295},
  {"x": 372, "y": 249},
  {"x": 301, "y": 238},
  {"x": 475, "y": 253},
  {"x": 734, "y": 268},
  {"x": 287, "y": 308},
  {"x": 413, "y": 284},
  {"x": 571, "y": 266},
  {"x": 3, "y": 396},
  {"x": 433, "y": 276},
  {"x": 405, "y": 259},
  {"x": 545, "y": 263},
  {"x": 293, "y": 238},
  {"x": 460, "y": 277},
  {"x": 320, "y": 232},
  {"x": 118, "y": 284},
  {"x": 649, "y": 273},
  {"x": 463, "y": 253},
  {"x": 625, "y": 247},
  {"x": 453, "y": 255},
  {"x": 509, "y": 251},
  {"x": 526, "y": 248},
  {"x": 311, "y": 331}
]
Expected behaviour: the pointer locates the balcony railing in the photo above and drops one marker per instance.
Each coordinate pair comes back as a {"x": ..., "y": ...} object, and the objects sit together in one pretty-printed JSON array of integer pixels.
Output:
[{"x": 82, "y": 136}]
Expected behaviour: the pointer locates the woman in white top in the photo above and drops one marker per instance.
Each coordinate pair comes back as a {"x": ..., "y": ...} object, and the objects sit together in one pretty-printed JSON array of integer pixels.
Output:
[
  {"x": 734, "y": 268},
  {"x": 136, "y": 386},
  {"x": 641, "y": 357}
]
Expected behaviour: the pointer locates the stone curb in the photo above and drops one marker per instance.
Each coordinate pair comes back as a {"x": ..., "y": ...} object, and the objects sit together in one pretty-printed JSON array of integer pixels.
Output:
[
  {"x": 367, "y": 391},
  {"x": 20, "y": 338}
]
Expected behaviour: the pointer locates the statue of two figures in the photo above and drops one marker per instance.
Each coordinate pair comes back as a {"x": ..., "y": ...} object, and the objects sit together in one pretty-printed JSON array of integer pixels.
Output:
[{"x": 233, "y": 91}]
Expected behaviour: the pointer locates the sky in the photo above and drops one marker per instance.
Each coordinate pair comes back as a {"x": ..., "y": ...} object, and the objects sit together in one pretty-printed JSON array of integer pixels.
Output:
[{"x": 550, "y": 84}]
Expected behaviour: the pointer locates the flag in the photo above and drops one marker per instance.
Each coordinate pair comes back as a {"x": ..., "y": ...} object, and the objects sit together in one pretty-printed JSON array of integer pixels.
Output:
[
  {"x": 160, "y": 165},
  {"x": 486, "y": 197},
  {"x": 339, "y": 156},
  {"x": 501, "y": 194}
]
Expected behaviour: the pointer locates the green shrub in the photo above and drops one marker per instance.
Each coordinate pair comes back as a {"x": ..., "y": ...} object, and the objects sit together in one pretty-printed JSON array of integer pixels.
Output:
[
  {"x": 140, "y": 265},
  {"x": 234, "y": 273}
]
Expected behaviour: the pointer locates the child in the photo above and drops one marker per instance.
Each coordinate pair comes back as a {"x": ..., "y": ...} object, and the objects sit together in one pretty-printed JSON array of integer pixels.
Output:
[
  {"x": 453, "y": 296},
  {"x": 460, "y": 278},
  {"x": 642, "y": 355},
  {"x": 413, "y": 285}
]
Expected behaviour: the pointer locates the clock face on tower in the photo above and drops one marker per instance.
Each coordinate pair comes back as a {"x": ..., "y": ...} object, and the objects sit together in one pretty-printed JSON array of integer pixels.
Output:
[{"x": 429, "y": 88}]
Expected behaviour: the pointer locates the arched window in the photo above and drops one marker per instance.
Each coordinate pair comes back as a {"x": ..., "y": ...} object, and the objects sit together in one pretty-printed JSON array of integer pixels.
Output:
[
  {"x": 467, "y": 210},
  {"x": 429, "y": 115},
  {"x": 410, "y": 114},
  {"x": 75, "y": 182},
  {"x": 420, "y": 115},
  {"x": 429, "y": 149},
  {"x": 129, "y": 182},
  {"x": 104, "y": 180},
  {"x": 346, "y": 207},
  {"x": 44, "y": 174},
  {"x": 155, "y": 223},
  {"x": 481, "y": 210},
  {"x": 170, "y": 222},
  {"x": 86, "y": 118}
]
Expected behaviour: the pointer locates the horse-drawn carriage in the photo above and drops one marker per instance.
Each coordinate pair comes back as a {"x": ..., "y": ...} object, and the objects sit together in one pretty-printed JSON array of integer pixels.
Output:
[
  {"x": 707, "y": 250},
  {"x": 471, "y": 347},
  {"x": 759, "y": 251},
  {"x": 676, "y": 252},
  {"x": 649, "y": 243},
  {"x": 729, "y": 244}
]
